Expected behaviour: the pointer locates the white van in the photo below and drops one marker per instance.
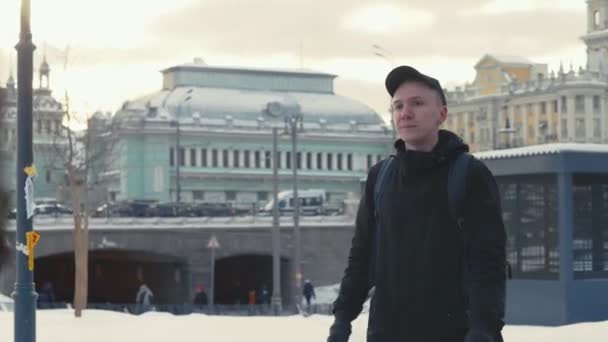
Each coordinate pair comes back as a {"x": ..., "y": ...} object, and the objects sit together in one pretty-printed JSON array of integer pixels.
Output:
[{"x": 312, "y": 202}]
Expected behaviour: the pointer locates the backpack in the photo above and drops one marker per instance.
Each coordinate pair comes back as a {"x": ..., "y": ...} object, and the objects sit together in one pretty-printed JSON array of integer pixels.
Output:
[{"x": 456, "y": 194}]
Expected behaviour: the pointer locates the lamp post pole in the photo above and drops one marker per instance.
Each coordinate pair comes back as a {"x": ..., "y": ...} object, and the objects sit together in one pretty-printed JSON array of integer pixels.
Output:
[
  {"x": 276, "y": 232},
  {"x": 25, "y": 294},
  {"x": 293, "y": 120}
]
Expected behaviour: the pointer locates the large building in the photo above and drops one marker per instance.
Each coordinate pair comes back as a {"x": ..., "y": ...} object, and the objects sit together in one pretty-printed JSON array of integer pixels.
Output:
[
  {"x": 47, "y": 132},
  {"x": 515, "y": 102},
  {"x": 207, "y": 134}
]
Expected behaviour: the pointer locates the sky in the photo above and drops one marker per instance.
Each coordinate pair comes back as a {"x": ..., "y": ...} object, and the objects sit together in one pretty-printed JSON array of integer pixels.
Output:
[
  {"x": 94, "y": 326},
  {"x": 105, "y": 52}
]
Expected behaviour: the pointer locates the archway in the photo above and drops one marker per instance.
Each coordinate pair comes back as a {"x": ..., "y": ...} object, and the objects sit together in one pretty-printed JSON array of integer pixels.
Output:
[
  {"x": 235, "y": 276},
  {"x": 115, "y": 275}
]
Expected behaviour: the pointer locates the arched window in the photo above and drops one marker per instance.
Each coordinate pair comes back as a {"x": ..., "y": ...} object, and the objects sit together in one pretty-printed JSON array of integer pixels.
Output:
[{"x": 596, "y": 19}]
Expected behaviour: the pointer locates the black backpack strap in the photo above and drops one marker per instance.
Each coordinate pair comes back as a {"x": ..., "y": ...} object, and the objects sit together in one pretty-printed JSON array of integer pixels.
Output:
[
  {"x": 379, "y": 187},
  {"x": 457, "y": 186}
]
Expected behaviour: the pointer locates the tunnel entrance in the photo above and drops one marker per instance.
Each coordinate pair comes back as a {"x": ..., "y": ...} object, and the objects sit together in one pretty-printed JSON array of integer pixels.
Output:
[
  {"x": 115, "y": 276},
  {"x": 236, "y": 276}
]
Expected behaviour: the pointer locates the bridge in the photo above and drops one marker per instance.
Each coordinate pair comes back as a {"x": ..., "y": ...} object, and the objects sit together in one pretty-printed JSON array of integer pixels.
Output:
[{"x": 171, "y": 256}]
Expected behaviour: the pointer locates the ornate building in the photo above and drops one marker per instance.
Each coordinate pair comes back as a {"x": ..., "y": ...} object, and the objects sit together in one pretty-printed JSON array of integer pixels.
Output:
[
  {"x": 515, "y": 102},
  {"x": 47, "y": 134},
  {"x": 212, "y": 127}
]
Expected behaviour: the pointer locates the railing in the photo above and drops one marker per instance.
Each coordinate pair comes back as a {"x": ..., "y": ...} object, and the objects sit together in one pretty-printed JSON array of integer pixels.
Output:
[{"x": 185, "y": 309}]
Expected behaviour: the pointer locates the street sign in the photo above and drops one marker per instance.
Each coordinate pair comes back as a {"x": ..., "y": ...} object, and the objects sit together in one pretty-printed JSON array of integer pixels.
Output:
[{"x": 213, "y": 243}]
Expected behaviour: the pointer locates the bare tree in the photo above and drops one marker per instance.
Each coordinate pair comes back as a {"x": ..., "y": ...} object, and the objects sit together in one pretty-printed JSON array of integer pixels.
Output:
[{"x": 81, "y": 154}]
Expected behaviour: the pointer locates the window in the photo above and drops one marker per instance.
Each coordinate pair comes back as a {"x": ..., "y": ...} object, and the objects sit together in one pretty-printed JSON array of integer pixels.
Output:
[
  {"x": 319, "y": 161},
  {"x": 349, "y": 161},
  {"x": 543, "y": 107},
  {"x": 181, "y": 156},
  {"x": 214, "y": 161},
  {"x": 278, "y": 159},
  {"x": 597, "y": 128},
  {"x": 288, "y": 160},
  {"x": 192, "y": 157},
  {"x": 564, "y": 105},
  {"x": 225, "y": 158},
  {"x": 596, "y": 104},
  {"x": 579, "y": 128},
  {"x": 38, "y": 126},
  {"x": 48, "y": 176},
  {"x": 204, "y": 157},
  {"x": 564, "y": 128},
  {"x": 299, "y": 160},
  {"x": 267, "y": 159},
  {"x": 530, "y": 215},
  {"x": 309, "y": 160},
  {"x": 262, "y": 196},
  {"x": 198, "y": 195},
  {"x": 472, "y": 138},
  {"x": 172, "y": 156},
  {"x": 256, "y": 159},
  {"x": 339, "y": 160},
  {"x": 369, "y": 161},
  {"x": 590, "y": 226},
  {"x": 235, "y": 158},
  {"x": 330, "y": 161},
  {"x": 378, "y": 158},
  {"x": 246, "y": 156},
  {"x": 554, "y": 105},
  {"x": 230, "y": 195},
  {"x": 579, "y": 104},
  {"x": 47, "y": 126}
]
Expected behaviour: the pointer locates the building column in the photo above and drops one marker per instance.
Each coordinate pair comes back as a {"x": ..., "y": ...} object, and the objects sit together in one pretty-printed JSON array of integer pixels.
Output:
[
  {"x": 570, "y": 113},
  {"x": 589, "y": 119},
  {"x": 565, "y": 237},
  {"x": 186, "y": 156}
]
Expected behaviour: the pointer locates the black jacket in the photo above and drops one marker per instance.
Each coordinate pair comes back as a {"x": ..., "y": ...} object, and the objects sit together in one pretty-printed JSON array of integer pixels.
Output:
[{"x": 419, "y": 294}]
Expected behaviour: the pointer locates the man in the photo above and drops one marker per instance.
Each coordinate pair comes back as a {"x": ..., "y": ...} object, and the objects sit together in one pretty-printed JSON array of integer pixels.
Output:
[
  {"x": 144, "y": 298},
  {"x": 200, "y": 299},
  {"x": 308, "y": 290},
  {"x": 434, "y": 282}
]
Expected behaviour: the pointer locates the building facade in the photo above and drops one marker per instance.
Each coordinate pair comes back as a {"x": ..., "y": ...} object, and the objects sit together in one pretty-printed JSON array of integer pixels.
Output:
[
  {"x": 212, "y": 126},
  {"x": 514, "y": 102},
  {"x": 48, "y": 136}
]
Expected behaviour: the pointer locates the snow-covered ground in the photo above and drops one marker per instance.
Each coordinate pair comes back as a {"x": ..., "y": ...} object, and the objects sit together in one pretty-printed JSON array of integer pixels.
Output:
[{"x": 104, "y": 326}]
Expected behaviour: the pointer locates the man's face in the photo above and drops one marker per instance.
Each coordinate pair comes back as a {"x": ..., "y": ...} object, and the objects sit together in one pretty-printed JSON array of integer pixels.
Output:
[{"x": 417, "y": 113}]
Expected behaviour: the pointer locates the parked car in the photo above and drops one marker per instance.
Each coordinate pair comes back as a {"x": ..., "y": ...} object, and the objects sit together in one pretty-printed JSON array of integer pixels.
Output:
[
  {"x": 214, "y": 209},
  {"x": 133, "y": 208},
  {"x": 171, "y": 209}
]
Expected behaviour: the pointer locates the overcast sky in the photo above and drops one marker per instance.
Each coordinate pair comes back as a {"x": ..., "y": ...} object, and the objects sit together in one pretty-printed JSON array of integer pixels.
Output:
[{"x": 115, "y": 48}]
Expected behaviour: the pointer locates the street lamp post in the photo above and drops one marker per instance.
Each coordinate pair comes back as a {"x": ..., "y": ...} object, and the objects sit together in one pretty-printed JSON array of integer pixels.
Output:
[
  {"x": 276, "y": 232},
  {"x": 292, "y": 116},
  {"x": 178, "y": 160},
  {"x": 25, "y": 294}
]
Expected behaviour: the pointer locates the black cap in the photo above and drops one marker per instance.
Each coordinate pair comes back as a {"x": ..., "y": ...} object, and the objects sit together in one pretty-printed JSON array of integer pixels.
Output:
[{"x": 404, "y": 73}]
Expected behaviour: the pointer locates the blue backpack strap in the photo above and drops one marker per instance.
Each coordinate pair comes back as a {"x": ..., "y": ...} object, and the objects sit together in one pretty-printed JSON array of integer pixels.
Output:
[
  {"x": 457, "y": 186},
  {"x": 379, "y": 187}
]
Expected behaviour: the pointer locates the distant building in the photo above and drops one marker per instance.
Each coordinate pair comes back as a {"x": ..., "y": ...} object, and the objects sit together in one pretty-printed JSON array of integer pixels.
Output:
[
  {"x": 221, "y": 118},
  {"x": 47, "y": 134},
  {"x": 515, "y": 102}
]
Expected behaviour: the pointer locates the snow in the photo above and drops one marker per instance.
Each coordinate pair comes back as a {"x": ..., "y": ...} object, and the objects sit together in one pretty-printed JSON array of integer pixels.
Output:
[{"x": 103, "y": 326}]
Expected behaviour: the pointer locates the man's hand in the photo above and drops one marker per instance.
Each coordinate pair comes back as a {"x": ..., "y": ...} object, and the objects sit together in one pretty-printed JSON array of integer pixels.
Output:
[{"x": 339, "y": 332}]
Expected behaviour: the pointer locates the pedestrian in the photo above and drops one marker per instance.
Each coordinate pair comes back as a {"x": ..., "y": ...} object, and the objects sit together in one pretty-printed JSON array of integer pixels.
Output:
[
  {"x": 200, "y": 299},
  {"x": 308, "y": 290},
  {"x": 437, "y": 269},
  {"x": 46, "y": 296},
  {"x": 144, "y": 298}
]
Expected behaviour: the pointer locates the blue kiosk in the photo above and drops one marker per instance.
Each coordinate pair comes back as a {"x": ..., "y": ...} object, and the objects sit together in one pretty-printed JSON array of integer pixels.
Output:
[{"x": 555, "y": 209}]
